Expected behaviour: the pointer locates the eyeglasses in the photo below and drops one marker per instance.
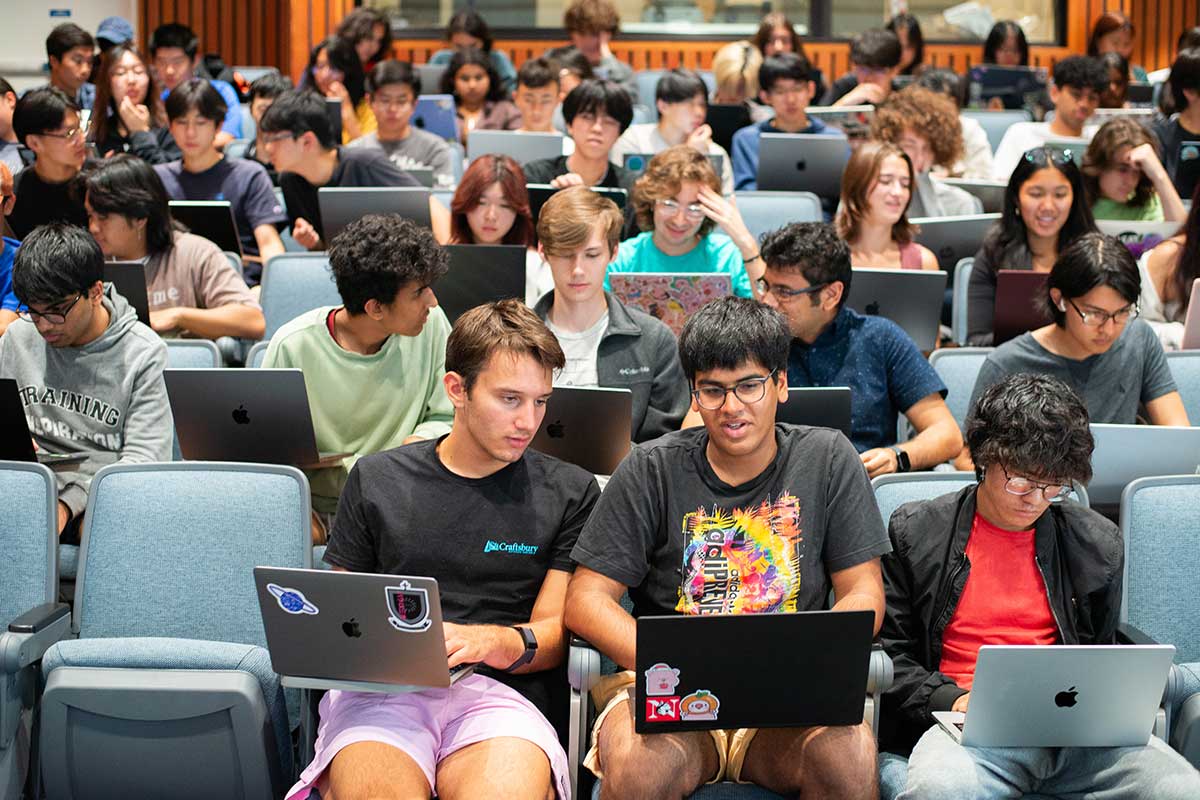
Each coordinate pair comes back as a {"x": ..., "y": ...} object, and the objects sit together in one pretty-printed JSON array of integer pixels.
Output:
[
  {"x": 751, "y": 390},
  {"x": 785, "y": 293},
  {"x": 271, "y": 138},
  {"x": 1041, "y": 156},
  {"x": 1051, "y": 492},
  {"x": 137, "y": 72},
  {"x": 73, "y": 133},
  {"x": 694, "y": 211},
  {"x": 784, "y": 91},
  {"x": 1096, "y": 319},
  {"x": 53, "y": 317}
]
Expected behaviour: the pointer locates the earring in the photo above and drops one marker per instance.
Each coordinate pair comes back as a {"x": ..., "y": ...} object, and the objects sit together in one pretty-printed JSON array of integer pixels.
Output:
[{"x": 1062, "y": 306}]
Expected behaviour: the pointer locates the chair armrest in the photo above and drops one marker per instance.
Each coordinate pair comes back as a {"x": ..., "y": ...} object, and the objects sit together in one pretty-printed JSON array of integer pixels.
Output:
[
  {"x": 31, "y": 634},
  {"x": 583, "y": 670},
  {"x": 1129, "y": 634},
  {"x": 583, "y": 665},
  {"x": 880, "y": 673}
]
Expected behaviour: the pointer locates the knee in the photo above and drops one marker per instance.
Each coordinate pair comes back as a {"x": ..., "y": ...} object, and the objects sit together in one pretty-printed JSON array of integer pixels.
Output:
[
  {"x": 843, "y": 764},
  {"x": 938, "y": 781},
  {"x": 633, "y": 772}
]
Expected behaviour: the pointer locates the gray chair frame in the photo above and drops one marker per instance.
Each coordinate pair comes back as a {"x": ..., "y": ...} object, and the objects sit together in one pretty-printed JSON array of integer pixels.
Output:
[
  {"x": 214, "y": 352},
  {"x": 958, "y": 301}
]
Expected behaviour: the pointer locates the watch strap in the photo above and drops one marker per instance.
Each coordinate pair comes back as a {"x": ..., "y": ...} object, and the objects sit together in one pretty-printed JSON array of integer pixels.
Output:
[{"x": 531, "y": 646}]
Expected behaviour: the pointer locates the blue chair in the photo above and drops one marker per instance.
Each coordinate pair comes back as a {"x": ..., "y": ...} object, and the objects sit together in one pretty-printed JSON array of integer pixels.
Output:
[
  {"x": 192, "y": 354},
  {"x": 958, "y": 305},
  {"x": 1185, "y": 369},
  {"x": 893, "y": 491},
  {"x": 235, "y": 261},
  {"x": 646, "y": 81},
  {"x": 293, "y": 284},
  {"x": 958, "y": 367},
  {"x": 643, "y": 115},
  {"x": 995, "y": 123},
  {"x": 257, "y": 353},
  {"x": 765, "y": 211},
  {"x": 238, "y": 147}
]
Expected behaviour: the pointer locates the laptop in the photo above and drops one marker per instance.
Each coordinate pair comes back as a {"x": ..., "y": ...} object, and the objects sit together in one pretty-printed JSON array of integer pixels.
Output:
[
  {"x": 1017, "y": 87},
  {"x": 1074, "y": 146},
  {"x": 954, "y": 238},
  {"x": 431, "y": 77},
  {"x": 539, "y": 193},
  {"x": 1139, "y": 94},
  {"x": 436, "y": 113},
  {"x": 691, "y": 670},
  {"x": 911, "y": 298},
  {"x": 990, "y": 193},
  {"x": 1191, "y": 323},
  {"x": 638, "y": 162},
  {"x": 1124, "y": 453},
  {"x": 258, "y": 415},
  {"x": 1103, "y": 115},
  {"x": 16, "y": 441},
  {"x": 521, "y": 147},
  {"x": 725, "y": 121},
  {"x": 1187, "y": 171},
  {"x": 342, "y": 205},
  {"x": 854, "y": 121},
  {"x": 480, "y": 273},
  {"x": 589, "y": 427},
  {"x": 671, "y": 297},
  {"x": 333, "y": 110},
  {"x": 212, "y": 219},
  {"x": 422, "y": 175},
  {"x": 802, "y": 162},
  {"x": 129, "y": 279},
  {"x": 1062, "y": 696},
  {"x": 1139, "y": 236},
  {"x": 1019, "y": 294},
  {"x": 353, "y": 630},
  {"x": 817, "y": 406}
]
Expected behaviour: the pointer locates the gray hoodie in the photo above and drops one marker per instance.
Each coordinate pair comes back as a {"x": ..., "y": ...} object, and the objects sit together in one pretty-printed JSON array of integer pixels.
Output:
[{"x": 106, "y": 398}]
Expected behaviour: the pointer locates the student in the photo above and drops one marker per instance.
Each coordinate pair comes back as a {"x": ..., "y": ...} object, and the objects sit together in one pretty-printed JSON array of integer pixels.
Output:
[
  {"x": 263, "y": 92},
  {"x": 1006, "y": 45},
  {"x": 89, "y": 374},
  {"x": 591, "y": 25},
  {"x": 786, "y": 85},
  {"x": 128, "y": 115},
  {"x": 175, "y": 50},
  {"x": 912, "y": 43},
  {"x": 335, "y": 72},
  {"x": 370, "y": 33},
  {"x": 491, "y": 206},
  {"x": 381, "y": 353},
  {"x": 678, "y": 202},
  {"x": 807, "y": 278},
  {"x": 874, "y": 60},
  {"x": 573, "y": 69},
  {"x": 1124, "y": 177},
  {"x": 537, "y": 96},
  {"x": 468, "y": 30},
  {"x": 789, "y": 505},
  {"x": 192, "y": 288},
  {"x": 1008, "y": 561},
  {"x": 1184, "y": 88},
  {"x": 682, "y": 102},
  {"x": 1096, "y": 344},
  {"x": 392, "y": 89},
  {"x": 70, "y": 51},
  {"x": 1113, "y": 33},
  {"x": 1168, "y": 272},
  {"x": 1117, "y": 91},
  {"x": 195, "y": 111},
  {"x": 298, "y": 140},
  {"x": 478, "y": 99},
  {"x": 976, "y": 160},
  {"x": 777, "y": 35},
  {"x": 877, "y": 187},
  {"x": 735, "y": 69},
  {"x": 435, "y": 508},
  {"x": 1045, "y": 210},
  {"x": 596, "y": 112},
  {"x": 606, "y": 343},
  {"x": 10, "y": 150},
  {"x": 47, "y": 122},
  {"x": 1075, "y": 94}
]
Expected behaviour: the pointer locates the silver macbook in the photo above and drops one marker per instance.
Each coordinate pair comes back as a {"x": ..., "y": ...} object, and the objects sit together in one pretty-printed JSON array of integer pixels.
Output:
[
  {"x": 354, "y": 631},
  {"x": 211, "y": 219},
  {"x": 342, "y": 205},
  {"x": 911, "y": 298},
  {"x": 819, "y": 406},
  {"x": 521, "y": 147},
  {"x": 954, "y": 238},
  {"x": 480, "y": 273},
  {"x": 1062, "y": 696},
  {"x": 259, "y": 415},
  {"x": 1125, "y": 453},
  {"x": 800, "y": 162},
  {"x": 589, "y": 427}
]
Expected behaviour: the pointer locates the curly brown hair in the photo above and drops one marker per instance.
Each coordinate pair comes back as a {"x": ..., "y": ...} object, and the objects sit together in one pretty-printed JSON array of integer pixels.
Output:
[
  {"x": 665, "y": 175},
  {"x": 592, "y": 16},
  {"x": 1102, "y": 152},
  {"x": 862, "y": 171},
  {"x": 925, "y": 112}
]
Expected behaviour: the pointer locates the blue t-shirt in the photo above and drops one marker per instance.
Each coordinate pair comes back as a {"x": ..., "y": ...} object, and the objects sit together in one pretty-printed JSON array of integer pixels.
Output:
[
  {"x": 714, "y": 253},
  {"x": 8, "y": 300},
  {"x": 744, "y": 152},
  {"x": 885, "y": 371},
  {"x": 233, "y": 108}
]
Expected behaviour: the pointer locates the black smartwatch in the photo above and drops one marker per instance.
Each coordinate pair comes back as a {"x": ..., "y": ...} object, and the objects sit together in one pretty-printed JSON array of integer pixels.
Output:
[
  {"x": 530, "y": 648},
  {"x": 903, "y": 463}
]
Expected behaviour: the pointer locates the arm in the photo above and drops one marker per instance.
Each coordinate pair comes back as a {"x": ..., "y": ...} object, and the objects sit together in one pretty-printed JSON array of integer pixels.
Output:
[
  {"x": 938, "y": 439},
  {"x": 234, "y": 319},
  {"x": 928, "y": 259},
  {"x": 1145, "y": 158},
  {"x": 439, "y": 220},
  {"x": 861, "y": 95},
  {"x": 304, "y": 233},
  {"x": 593, "y": 610},
  {"x": 860, "y": 588},
  {"x": 149, "y": 427},
  {"x": 269, "y": 243},
  {"x": 6, "y": 318},
  {"x": 1167, "y": 410},
  {"x": 729, "y": 219}
]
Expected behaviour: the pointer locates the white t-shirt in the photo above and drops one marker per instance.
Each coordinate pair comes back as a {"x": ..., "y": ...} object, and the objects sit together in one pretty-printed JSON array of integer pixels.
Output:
[
  {"x": 1023, "y": 136},
  {"x": 538, "y": 278},
  {"x": 581, "y": 350}
]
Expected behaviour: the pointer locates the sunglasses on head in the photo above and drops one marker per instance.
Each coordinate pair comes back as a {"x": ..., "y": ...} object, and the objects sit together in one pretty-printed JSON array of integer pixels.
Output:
[{"x": 1042, "y": 156}]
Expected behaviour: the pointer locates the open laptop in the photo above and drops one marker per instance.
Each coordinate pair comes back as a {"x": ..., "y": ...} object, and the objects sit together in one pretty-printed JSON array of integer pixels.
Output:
[
  {"x": 691, "y": 670},
  {"x": 1017, "y": 87},
  {"x": 589, "y": 427},
  {"x": 638, "y": 162},
  {"x": 1124, "y": 453},
  {"x": 354, "y": 631},
  {"x": 1187, "y": 171},
  {"x": 437, "y": 114},
  {"x": 911, "y": 298},
  {"x": 1139, "y": 94},
  {"x": 671, "y": 297},
  {"x": 990, "y": 193},
  {"x": 212, "y": 219},
  {"x": 1019, "y": 294},
  {"x": 129, "y": 279},
  {"x": 1062, "y": 696},
  {"x": 725, "y": 121},
  {"x": 539, "y": 193},
  {"x": 480, "y": 273},
  {"x": 259, "y": 415},
  {"x": 1139, "y": 236},
  {"x": 854, "y": 121},
  {"x": 521, "y": 147},
  {"x": 1074, "y": 146},
  {"x": 818, "y": 406},
  {"x": 954, "y": 238},
  {"x": 1103, "y": 115},
  {"x": 16, "y": 442},
  {"x": 342, "y": 205},
  {"x": 802, "y": 162},
  {"x": 431, "y": 77},
  {"x": 1191, "y": 323},
  {"x": 333, "y": 111}
]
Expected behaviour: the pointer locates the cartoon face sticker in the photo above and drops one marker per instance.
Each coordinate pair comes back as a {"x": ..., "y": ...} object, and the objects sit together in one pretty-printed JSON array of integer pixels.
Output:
[
  {"x": 661, "y": 680},
  {"x": 699, "y": 705}
]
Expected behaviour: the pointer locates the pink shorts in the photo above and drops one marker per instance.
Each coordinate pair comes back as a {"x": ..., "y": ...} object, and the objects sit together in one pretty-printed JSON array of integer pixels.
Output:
[{"x": 430, "y": 725}]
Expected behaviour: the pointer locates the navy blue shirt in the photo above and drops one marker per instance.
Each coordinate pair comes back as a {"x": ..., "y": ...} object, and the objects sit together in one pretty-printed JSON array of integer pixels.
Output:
[{"x": 885, "y": 371}]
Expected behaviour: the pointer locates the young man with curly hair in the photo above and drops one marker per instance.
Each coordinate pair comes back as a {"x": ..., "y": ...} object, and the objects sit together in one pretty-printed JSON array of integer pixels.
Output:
[{"x": 592, "y": 24}]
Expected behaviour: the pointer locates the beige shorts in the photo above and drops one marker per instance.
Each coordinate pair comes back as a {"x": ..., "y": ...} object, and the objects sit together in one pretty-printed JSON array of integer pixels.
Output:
[{"x": 612, "y": 690}]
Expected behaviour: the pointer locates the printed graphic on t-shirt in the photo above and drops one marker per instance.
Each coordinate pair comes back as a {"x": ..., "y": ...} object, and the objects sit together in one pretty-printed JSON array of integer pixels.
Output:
[{"x": 742, "y": 562}]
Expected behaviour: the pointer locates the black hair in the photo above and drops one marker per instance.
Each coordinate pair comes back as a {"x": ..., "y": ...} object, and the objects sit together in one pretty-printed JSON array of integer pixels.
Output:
[
  {"x": 472, "y": 56},
  {"x": 998, "y": 35},
  {"x": 342, "y": 57},
  {"x": 570, "y": 58},
  {"x": 599, "y": 97},
  {"x": 269, "y": 86},
  {"x": 6, "y": 88},
  {"x": 67, "y": 37},
  {"x": 917, "y": 39},
  {"x": 389, "y": 73},
  {"x": 1185, "y": 74},
  {"x": 375, "y": 256},
  {"x": 127, "y": 185},
  {"x": 298, "y": 112},
  {"x": 784, "y": 66},
  {"x": 680, "y": 86},
  {"x": 943, "y": 81},
  {"x": 54, "y": 261},
  {"x": 41, "y": 110},
  {"x": 1081, "y": 72},
  {"x": 360, "y": 24},
  {"x": 469, "y": 22},
  {"x": 1092, "y": 260},
  {"x": 174, "y": 34},
  {"x": 537, "y": 73},
  {"x": 196, "y": 94},
  {"x": 875, "y": 47},
  {"x": 1187, "y": 39},
  {"x": 814, "y": 250},
  {"x": 1034, "y": 425},
  {"x": 731, "y": 331}
]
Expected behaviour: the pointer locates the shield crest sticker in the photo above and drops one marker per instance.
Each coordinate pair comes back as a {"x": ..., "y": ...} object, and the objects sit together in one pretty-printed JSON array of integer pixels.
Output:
[{"x": 408, "y": 607}]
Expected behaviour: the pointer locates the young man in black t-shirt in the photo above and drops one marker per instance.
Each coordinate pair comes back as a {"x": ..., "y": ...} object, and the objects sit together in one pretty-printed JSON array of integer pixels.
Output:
[
  {"x": 494, "y": 523},
  {"x": 789, "y": 507},
  {"x": 47, "y": 122}
]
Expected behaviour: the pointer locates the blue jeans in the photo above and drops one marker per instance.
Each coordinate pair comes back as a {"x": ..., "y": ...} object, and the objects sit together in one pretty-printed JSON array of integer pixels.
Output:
[{"x": 942, "y": 768}]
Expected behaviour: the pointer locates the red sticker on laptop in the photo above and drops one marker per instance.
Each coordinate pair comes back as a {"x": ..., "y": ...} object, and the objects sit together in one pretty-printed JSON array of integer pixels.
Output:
[{"x": 662, "y": 709}]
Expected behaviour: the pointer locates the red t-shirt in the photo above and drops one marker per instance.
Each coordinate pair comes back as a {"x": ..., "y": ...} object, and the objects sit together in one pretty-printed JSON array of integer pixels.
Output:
[{"x": 1004, "y": 601}]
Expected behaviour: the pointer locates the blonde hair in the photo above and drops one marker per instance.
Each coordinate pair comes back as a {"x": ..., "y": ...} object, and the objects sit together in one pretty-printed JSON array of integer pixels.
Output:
[
  {"x": 569, "y": 217},
  {"x": 861, "y": 173},
  {"x": 735, "y": 67},
  {"x": 665, "y": 176}
]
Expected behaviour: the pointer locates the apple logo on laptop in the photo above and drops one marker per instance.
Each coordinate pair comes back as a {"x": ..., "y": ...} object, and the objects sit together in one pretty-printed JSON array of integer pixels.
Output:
[
  {"x": 1066, "y": 699},
  {"x": 802, "y": 164},
  {"x": 241, "y": 416},
  {"x": 350, "y": 628},
  {"x": 872, "y": 308},
  {"x": 555, "y": 430}
]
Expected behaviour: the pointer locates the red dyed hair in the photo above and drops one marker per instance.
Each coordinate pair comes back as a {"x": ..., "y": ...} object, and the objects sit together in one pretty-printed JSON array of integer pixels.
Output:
[{"x": 483, "y": 172}]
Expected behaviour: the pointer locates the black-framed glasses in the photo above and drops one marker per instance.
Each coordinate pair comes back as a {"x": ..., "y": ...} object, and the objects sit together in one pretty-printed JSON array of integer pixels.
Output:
[
  {"x": 1043, "y": 156},
  {"x": 785, "y": 293},
  {"x": 271, "y": 138},
  {"x": 53, "y": 317},
  {"x": 1096, "y": 319},
  {"x": 750, "y": 390},
  {"x": 1051, "y": 492},
  {"x": 68, "y": 135}
]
